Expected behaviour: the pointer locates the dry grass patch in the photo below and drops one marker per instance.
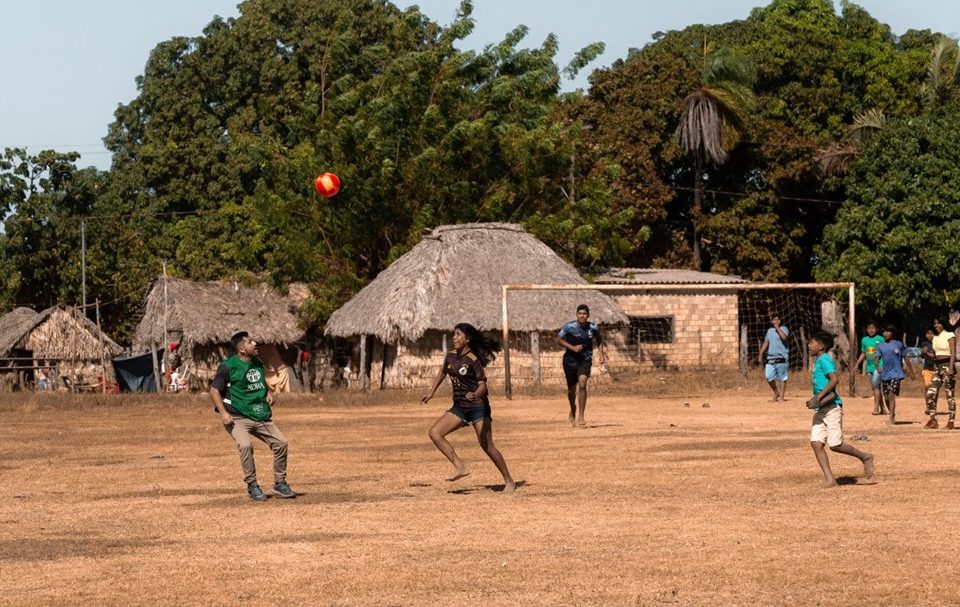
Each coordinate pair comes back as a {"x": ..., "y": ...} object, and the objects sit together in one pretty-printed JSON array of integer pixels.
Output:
[{"x": 139, "y": 501}]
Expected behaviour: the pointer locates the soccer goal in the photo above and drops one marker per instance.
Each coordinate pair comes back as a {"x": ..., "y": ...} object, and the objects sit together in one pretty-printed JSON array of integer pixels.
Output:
[{"x": 672, "y": 327}]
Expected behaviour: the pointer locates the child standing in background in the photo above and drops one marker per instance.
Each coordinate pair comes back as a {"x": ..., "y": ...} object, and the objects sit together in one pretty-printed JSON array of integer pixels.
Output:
[
  {"x": 868, "y": 356},
  {"x": 891, "y": 354}
]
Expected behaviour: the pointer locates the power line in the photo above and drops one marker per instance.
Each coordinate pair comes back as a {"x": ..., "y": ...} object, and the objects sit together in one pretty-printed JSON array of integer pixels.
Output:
[
  {"x": 746, "y": 194},
  {"x": 37, "y": 305},
  {"x": 137, "y": 215},
  {"x": 57, "y": 145}
]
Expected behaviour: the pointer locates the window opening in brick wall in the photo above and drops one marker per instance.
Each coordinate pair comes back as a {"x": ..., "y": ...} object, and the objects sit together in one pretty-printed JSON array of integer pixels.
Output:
[{"x": 651, "y": 330}]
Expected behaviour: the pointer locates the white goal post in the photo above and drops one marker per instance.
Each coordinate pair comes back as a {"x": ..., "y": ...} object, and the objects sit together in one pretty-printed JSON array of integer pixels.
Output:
[{"x": 648, "y": 288}]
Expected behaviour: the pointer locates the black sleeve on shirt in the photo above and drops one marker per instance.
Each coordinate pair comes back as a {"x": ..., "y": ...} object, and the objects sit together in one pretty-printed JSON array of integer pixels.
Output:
[{"x": 221, "y": 379}]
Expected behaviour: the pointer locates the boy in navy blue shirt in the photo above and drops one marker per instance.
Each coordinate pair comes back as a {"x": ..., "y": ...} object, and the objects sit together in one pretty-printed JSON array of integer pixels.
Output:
[
  {"x": 891, "y": 355},
  {"x": 577, "y": 337}
]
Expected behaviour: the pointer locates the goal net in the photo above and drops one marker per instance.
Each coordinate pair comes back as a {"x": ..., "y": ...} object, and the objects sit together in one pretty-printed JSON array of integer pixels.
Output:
[{"x": 676, "y": 327}]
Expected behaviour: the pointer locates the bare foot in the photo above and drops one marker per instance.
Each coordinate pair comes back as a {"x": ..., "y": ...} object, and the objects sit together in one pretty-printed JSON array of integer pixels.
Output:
[
  {"x": 868, "y": 466},
  {"x": 581, "y": 423},
  {"x": 509, "y": 487},
  {"x": 774, "y": 399},
  {"x": 828, "y": 484},
  {"x": 892, "y": 421},
  {"x": 458, "y": 474},
  {"x": 783, "y": 399},
  {"x": 572, "y": 420}
]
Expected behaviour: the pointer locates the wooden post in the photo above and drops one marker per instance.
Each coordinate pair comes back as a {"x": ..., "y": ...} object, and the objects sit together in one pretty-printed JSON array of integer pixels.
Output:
[
  {"x": 166, "y": 342},
  {"x": 535, "y": 356},
  {"x": 804, "y": 353},
  {"x": 744, "y": 351},
  {"x": 383, "y": 367},
  {"x": 103, "y": 362},
  {"x": 852, "y": 329},
  {"x": 363, "y": 363},
  {"x": 507, "y": 388},
  {"x": 156, "y": 368}
]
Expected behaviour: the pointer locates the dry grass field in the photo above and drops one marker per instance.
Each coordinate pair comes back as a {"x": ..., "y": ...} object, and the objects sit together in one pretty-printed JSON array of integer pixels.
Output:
[{"x": 139, "y": 501}]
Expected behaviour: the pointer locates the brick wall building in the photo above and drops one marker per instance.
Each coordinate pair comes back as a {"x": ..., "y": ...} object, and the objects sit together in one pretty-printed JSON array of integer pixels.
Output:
[{"x": 675, "y": 328}]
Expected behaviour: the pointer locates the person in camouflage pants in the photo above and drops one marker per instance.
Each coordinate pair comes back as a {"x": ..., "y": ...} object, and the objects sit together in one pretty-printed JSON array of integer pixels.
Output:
[{"x": 944, "y": 373}]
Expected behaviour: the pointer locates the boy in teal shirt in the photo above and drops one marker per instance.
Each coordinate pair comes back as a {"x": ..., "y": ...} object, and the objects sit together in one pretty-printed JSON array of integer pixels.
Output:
[
  {"x": 240, "y": 396},
  {"x": 827, "y": 428}
]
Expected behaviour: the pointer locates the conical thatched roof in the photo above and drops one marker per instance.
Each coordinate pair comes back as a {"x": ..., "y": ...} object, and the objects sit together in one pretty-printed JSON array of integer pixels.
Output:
[
  {"x": 211, "y": 312},
  {"x": 454, "y": 275},
  {"x": 58, "y": 332}
]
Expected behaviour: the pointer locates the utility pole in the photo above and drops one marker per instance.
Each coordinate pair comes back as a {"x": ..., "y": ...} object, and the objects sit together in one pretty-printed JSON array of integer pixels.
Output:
[
  {"x": 83, "y": 262},
  {"x": 166, "y": 345}
]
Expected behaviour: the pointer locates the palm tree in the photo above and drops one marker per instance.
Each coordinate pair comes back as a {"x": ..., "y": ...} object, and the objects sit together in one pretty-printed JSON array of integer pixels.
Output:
[
  {"x": 942, "y": 83},
  {"x": 712, "y": 122},
  {"x": 836, "y": 158},
  {"x": 941, "y": 86}
]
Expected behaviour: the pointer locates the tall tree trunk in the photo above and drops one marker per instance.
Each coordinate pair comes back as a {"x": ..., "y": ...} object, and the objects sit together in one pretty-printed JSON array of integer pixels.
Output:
[{"x": 697, "y": 211}]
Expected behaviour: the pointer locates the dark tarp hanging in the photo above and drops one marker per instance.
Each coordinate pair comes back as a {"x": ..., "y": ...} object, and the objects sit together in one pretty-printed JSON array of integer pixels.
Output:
[{"x": 135, "y": 373}]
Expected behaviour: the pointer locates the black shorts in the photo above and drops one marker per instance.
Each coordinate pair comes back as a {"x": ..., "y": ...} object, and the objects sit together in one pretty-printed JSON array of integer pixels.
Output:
[
  {"x": 473, "y": 414},
  {"x": 890, "y": 387},
  {"x": 575, "y": 370}
]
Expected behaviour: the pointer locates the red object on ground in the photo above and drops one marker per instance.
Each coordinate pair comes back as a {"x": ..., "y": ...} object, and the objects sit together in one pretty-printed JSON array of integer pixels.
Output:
[{"x": 327, "y": 185}]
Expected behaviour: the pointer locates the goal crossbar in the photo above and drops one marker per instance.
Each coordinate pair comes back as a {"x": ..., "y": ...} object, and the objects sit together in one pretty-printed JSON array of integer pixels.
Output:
[{"x": 641, "y": 288}]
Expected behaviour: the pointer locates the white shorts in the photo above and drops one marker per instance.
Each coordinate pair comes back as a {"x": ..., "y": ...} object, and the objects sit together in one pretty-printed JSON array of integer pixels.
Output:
[{"x": 828, "y": 426}]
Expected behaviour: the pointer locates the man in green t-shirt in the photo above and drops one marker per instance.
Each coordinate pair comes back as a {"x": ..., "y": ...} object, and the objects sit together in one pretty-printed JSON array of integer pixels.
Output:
[{"x": 240, "y": 396}]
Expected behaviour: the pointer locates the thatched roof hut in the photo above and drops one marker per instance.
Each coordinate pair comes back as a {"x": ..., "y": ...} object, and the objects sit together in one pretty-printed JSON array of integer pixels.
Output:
[
  {"x": 57, "y": 333},
  {"x": 209, "y": 313},
  {"x": 454, "y": 275},
  {"x": 202, "y": 317},
  {"x": 61, "y": 338}
]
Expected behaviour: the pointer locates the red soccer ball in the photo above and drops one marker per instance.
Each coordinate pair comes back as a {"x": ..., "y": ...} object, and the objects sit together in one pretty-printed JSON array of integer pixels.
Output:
[{"x": 327, "y": 185}]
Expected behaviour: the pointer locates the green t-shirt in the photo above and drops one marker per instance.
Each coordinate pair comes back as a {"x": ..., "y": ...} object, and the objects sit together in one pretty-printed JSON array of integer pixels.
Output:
[
  {"x": 246, "y": 388},
  {"x": 868, "y": 345}
]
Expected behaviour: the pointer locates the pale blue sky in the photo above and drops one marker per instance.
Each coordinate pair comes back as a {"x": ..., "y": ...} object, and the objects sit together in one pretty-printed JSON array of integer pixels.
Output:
[{"x": 67, "y": 64}]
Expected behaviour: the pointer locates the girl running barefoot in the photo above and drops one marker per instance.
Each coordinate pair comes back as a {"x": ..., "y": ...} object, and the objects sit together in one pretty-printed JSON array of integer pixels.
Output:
[{"x": 464, "y": 364}]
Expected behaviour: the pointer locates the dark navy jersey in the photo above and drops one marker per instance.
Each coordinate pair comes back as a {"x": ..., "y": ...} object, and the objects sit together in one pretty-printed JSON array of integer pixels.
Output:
[
  {"x": 576, "y": 335},
  {"x": 465, "y": 373}
]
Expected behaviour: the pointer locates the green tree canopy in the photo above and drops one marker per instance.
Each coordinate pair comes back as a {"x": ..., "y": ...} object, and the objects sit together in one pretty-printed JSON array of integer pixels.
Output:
[
  {"x": 215, "y": 158},
  {"x": 815, "y": 70},
  {"x": 235, "y": 124},
  {"x": 896, "y": 236},
  {"x": 43, "y": 195}
]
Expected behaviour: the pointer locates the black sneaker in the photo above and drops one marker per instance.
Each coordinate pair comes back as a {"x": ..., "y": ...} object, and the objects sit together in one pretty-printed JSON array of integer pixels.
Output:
[
  {"x": 256, "y": 493},
  {"x": 283, "y": 490}
]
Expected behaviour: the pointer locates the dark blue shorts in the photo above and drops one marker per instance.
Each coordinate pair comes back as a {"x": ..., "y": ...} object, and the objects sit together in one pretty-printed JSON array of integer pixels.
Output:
[
  {"x": 471, "y": 415},
  {"x": 575, "y": 370}
]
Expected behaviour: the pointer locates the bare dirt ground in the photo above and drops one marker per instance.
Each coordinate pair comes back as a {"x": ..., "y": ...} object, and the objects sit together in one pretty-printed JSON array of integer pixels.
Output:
[{"x": 139, "y": 501}]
